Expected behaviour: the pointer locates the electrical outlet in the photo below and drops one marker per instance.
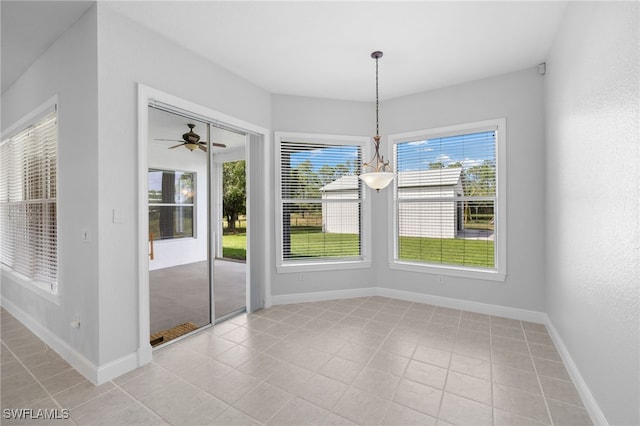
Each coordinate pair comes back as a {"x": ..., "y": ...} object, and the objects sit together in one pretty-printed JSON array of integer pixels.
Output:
[
  {"x": 75, "y": 323},
  {"x": 440, "y": 279}
]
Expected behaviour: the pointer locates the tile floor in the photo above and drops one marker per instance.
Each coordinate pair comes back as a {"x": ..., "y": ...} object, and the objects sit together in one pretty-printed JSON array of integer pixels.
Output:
[{"x": 366, "y": 361}]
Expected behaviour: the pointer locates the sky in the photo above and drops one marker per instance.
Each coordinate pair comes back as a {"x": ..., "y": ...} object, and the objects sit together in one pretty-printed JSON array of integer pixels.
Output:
[{"x": 470, "y": 150}]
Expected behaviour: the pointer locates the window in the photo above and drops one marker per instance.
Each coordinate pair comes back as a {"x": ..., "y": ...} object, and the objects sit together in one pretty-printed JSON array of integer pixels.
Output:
[
  {"x": 171, "y": 200},
  {"x": 28, "y": 170},
  {"x": 446, "y": 203},
  {"x": 320, "y": 200}
]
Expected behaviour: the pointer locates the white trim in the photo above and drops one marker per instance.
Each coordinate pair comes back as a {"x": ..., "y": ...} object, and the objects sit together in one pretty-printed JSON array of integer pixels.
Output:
[
  {"x": 499, "y": 273},
  {"x": 448, "y": 270},
  {"x": 267, "y": 199},
  {"x": 321, "y": 265},
  {"x": 118, "y": 367},
  {"x": 589, "y": 402},
  {"x": 286, "y": 266},
  {"x": 445, "y": 302},
  {"x": 144, "y": 327},
  {"x": 62, "y": 348},
  {"x": 465, "y": 305},
  {"x": 146, "y": 95},
  {"x": 318, "y": 296}
]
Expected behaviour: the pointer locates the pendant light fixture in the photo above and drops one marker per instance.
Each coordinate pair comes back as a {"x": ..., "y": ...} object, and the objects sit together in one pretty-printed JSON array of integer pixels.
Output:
[{"x": 377, "y": 173}]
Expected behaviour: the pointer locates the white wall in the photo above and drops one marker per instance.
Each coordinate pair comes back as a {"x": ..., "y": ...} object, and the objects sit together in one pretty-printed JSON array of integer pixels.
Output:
[
  {"x": 592, "y": 200},
  {"x": 127, "y": 55},
  {"x": 518, "y": 97},
  {"x": 181, "y": 251},
  {"x": 322, "y": 116},
  {"x": 69, "y": 68}
]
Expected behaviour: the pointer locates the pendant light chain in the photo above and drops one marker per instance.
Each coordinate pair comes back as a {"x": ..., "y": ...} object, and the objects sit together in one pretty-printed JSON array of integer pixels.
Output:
[
  {"x": 381, "y": 174},
  {"x": 377, "y": 104}
]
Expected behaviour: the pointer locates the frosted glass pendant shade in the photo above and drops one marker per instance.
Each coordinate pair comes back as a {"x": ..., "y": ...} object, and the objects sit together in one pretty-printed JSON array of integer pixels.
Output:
[{"x": 377, "y": 180}]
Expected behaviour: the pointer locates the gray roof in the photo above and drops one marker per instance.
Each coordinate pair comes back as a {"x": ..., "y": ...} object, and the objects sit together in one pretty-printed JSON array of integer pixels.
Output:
[
  {"x": 344, "y": 183},
  {"x": 435, "y": 177},
  {"x": 419, "y": 178}
]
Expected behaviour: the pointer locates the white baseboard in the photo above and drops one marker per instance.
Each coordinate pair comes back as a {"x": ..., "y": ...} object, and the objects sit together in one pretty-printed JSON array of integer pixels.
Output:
[
  {"x": 319, "y": 296},
  {"x": 66, "y": 352},
  {"x": 96, "y": 375},
  {"x": 445, "y": 302},
  {"x": 115, "y": 368},
  {"x": 588, "y": 400},
  {"x": 465, "y": 305}
]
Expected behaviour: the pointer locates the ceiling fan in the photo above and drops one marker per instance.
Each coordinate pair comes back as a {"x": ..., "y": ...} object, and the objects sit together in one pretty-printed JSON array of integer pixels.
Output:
[{"x": 191, "y": 141}]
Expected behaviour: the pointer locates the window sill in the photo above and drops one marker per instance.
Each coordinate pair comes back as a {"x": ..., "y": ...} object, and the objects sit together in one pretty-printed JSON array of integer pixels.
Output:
[
  {"x": 452, "y": 271},
  {"x": 39, "y": 288},
  {"x": 292, "y": 267}
]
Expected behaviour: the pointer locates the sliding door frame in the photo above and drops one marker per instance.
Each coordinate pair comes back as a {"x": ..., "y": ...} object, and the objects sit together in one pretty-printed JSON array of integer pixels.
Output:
[{"x": 258, "y": 212}]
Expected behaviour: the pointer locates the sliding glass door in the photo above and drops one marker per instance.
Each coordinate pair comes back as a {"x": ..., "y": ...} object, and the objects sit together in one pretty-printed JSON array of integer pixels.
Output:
[{"x": 179, "y": 230}]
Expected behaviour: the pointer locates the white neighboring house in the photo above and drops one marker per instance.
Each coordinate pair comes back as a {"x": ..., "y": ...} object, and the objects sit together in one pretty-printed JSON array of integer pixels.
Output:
[
  {"x": 341, "y": 218},
  {"x": 445, "y": 218}
]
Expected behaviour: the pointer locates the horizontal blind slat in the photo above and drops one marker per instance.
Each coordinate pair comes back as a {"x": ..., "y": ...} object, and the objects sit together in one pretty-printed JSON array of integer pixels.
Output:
[
  {"x": 445, "y": 199},
  {"x": 321, "y": 201},
  {"x": 27, "y": 200}
]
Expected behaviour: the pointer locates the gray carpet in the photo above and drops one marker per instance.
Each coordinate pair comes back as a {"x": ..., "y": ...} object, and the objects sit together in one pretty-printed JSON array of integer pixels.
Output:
[{"x": 181, "y": 293}]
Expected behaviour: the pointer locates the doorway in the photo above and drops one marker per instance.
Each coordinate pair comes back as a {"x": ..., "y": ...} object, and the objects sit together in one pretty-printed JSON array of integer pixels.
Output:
[
  {"x": 191, "y": 284},
  {"x": 258, "y": 156}
]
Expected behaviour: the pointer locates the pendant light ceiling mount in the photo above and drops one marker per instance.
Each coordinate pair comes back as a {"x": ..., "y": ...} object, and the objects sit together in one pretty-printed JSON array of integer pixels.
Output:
[{"x": 380, "y": 175}]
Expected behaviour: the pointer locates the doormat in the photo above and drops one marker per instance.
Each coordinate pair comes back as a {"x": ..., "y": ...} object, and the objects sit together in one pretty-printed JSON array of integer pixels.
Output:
[{"x": 166, "y": 335}]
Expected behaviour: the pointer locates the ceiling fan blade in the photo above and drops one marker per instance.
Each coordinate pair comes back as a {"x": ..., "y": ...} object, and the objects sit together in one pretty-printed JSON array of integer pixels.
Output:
[
  {"x": 221, "y": 145},
  {"x": 175, "y": 146},
  {"x": 168, "y": 140},
  {"x": 204, "y": 148}
]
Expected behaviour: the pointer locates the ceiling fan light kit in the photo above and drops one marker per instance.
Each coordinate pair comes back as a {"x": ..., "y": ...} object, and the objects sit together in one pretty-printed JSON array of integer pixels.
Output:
[
  {"x": 381, "y": 174},
  {"x": 191, "y": 141}
]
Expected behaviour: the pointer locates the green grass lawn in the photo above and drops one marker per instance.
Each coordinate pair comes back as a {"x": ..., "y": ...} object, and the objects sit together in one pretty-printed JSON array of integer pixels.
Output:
[
  {"x": 319, "y": 244},
  {"x": 314, "y": 243},
  {"x": 234, "y": 246},
  {"x": 447, "y": 251}
]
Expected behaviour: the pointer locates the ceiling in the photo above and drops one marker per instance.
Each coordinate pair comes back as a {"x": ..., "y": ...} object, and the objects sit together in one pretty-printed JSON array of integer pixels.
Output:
[
  {"x": 28, "y": 28},
  {"x": 318, "y": 49}
]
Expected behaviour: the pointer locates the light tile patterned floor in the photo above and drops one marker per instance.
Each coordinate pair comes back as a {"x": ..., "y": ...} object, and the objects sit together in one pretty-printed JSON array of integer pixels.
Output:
[{"x": 368, "y": 361}]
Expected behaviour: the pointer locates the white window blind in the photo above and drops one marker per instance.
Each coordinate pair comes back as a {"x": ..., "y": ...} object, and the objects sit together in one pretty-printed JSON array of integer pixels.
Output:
[
  {"x": 445, "y": 200},
  {"x": 321, "y": 201},
  {"x": 28, "y": 222}
]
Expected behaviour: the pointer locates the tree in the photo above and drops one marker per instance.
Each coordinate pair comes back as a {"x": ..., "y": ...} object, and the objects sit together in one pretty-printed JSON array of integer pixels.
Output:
[
  {"x": 480, "y": 181},
  {"x": 234, "y": 193}
]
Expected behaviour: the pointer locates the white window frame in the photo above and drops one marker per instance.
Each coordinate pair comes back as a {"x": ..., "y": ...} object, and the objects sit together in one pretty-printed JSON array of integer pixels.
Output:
[
  {"x": 288, "y": 266},
  {"x": 194, "y": 206},
  {"x": 47, "y": 290},
  {"x": 499, "y": 272}
]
